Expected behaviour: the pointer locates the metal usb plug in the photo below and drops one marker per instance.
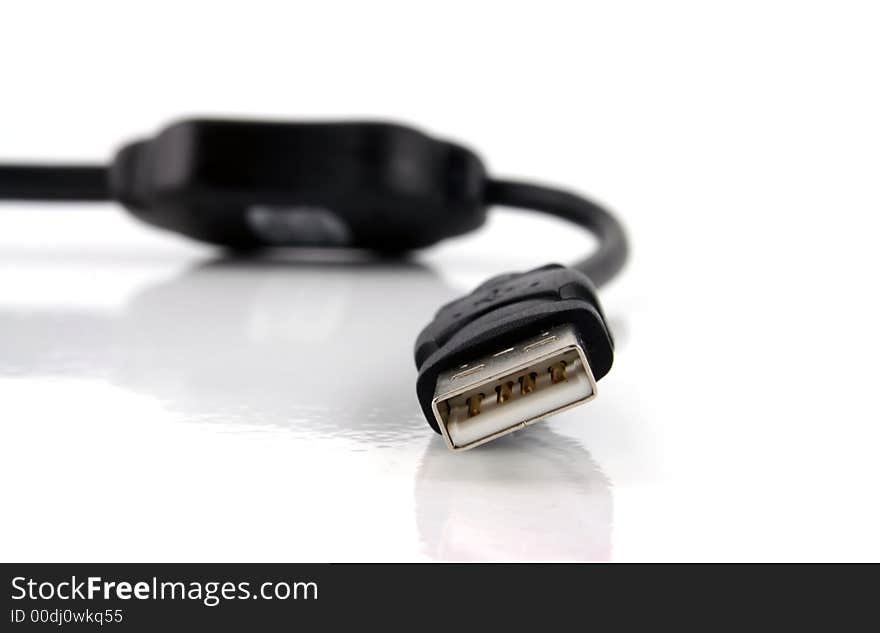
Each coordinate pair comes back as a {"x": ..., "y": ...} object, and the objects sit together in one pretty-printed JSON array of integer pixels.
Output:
[{"x": 513, "y": 387}]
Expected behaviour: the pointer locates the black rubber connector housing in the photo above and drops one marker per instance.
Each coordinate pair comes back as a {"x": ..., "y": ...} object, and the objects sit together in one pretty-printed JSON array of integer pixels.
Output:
[
  {"x": 247, "y": 185},
  {"x": 504, "y": 310}
]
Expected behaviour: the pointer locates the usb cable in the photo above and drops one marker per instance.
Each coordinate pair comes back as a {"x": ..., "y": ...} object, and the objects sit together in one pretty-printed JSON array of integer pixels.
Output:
[{"x": 520, "y": 347}]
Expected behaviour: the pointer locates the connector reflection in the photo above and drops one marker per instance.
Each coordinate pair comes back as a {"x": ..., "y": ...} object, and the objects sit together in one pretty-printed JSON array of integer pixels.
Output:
[{"x": 534, "y": 495}]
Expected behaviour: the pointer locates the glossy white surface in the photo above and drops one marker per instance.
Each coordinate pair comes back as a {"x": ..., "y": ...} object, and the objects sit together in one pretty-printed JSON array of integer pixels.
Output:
[
  {"x": 157, "y": 404},
  {"x": 186, "y": 408}
]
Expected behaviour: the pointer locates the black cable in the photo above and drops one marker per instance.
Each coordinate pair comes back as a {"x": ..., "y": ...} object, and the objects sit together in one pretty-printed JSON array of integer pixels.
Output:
[
  {"x": 383, "y": 187},
  {"x": 611, "y": 254},
  {"x": 55, "y": 182}
]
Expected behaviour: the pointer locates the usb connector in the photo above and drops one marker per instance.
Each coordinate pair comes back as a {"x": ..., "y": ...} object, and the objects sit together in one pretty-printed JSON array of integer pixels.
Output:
[
  {"x": 504, "y": 391},
  {"x": 519, "y": 348}
]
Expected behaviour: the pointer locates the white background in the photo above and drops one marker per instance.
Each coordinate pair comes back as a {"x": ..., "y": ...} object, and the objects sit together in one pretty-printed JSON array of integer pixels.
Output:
[{"x": 157, "y": 406}]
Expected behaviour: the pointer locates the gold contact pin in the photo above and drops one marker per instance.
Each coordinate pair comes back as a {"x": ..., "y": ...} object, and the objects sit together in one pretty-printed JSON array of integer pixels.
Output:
[
  {"x": 557, "y": 372},
  {"x": 504, "y": 392},
  {"x": 527, "y": 383},
  {"x": 474, "y": 403}
]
